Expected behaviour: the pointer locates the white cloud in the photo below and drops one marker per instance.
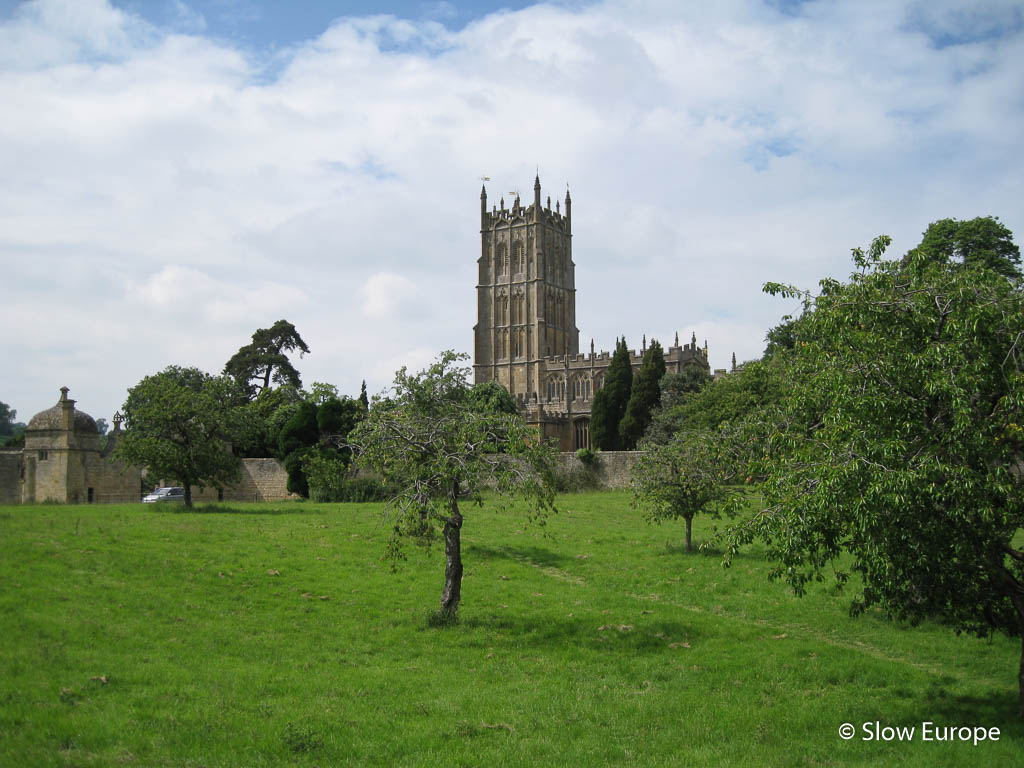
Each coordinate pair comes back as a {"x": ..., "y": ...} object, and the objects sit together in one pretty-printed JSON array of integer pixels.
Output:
[
  {"x": 165, "y": 194},
  {"x": 386, "y": 294}
]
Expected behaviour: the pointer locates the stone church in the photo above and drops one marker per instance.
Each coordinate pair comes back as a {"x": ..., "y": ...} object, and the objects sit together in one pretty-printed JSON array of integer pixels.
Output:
[{"x": 526, "y": 336}]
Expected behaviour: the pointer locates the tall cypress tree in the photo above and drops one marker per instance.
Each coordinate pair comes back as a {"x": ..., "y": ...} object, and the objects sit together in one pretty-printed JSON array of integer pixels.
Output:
[
  {"x": 611, "y": 400},
  {"x": 644, "y": 398}
]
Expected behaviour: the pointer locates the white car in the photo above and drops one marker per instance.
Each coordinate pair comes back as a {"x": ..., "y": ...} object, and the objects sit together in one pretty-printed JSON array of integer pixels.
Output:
[{"x": 165, "y": 494}]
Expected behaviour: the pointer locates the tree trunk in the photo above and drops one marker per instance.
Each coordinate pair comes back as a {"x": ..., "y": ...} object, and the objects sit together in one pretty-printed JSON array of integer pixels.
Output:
[
  {"x": 1014, "y": 590},
  {"x": 188, "y": 496},
  {"x": 452, "y": 592},
  {"x": 689, "y": 528},
  {"x": 1018, "y": 604},
  {"x": 1020, "y": 679}
]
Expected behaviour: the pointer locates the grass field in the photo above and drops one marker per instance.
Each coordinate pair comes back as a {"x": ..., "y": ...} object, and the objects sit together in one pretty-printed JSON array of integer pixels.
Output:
[{"x": 271, "y": 635}]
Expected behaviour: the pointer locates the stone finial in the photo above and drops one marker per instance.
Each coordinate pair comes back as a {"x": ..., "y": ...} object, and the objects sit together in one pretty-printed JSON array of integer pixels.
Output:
[
  {"x": 734, "y": 361},
  {"x": 677, "y": 338},
  {"x": 64, "y": 394},
  {"x": 591, "y": 347},
  {"x": 693, "y": 340},
  {"x": 549, "y": 202},
  {"x": 643, "y": 344}
]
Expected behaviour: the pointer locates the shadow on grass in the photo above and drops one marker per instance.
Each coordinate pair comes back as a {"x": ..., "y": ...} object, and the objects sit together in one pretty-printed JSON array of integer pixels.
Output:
[
  {"x": 998, "y": 711},
  {"x": 674, "y": 548},
  {"x": 538, "y": 556},
  {"x": 224, "y": 509},
  {"x": 606, "y": 634}
]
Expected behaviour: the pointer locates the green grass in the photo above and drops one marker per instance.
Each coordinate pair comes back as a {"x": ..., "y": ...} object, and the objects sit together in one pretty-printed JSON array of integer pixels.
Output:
[{"x": 269, "y": 635}]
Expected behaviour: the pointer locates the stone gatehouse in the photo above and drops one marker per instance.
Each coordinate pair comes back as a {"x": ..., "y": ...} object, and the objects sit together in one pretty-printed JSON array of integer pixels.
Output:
[{"x": 62, "y": 462}]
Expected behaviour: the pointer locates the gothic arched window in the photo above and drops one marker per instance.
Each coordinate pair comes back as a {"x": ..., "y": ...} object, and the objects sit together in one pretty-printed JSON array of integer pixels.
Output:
[
  {"x": 582, "y": 430},
  {"x": 501, "y": 259},
  {"x": 518, "y": 256}
]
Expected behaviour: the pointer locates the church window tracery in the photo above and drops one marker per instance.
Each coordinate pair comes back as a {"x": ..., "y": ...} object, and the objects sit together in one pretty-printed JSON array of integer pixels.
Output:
[
  {"x": 501, "y": 259},
  {"x": 582, "y": 433},
  {"x": 581, "y": 387}
]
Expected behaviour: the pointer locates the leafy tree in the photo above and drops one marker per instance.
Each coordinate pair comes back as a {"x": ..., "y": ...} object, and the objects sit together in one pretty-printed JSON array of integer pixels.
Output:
[
  {"x": 263, "y": 360},
  {"x": 320, "y": 433},
  {"x": 610, "y": 401},
  {"x": 298, "y": 437},
  {"x": 272, "y": 409},
  {"x": 324, "y": 475},
  {"x": 688, "y": 475},
  {"x": 320, "y": 393},
  {"x": 7, "y": 416},
  {"x": 899, "y": 442},
  {"x": 181, "y": 425},
  {"x": 364, "y": 401},
  {"x": 781, "y": 337},
  {"x": 983, "y": 241},
  {"x": 747, "y": 392},
  {"x": 676, "y": 387},
  {"x": 491, "y": 396},
  {"x": 337, "y": 417},
  {"x": 437, "y": 447},
  {"x": 335, "y": 420},
  {"x": 644, "y": 397},
  {"x": 102, "y": 427}
]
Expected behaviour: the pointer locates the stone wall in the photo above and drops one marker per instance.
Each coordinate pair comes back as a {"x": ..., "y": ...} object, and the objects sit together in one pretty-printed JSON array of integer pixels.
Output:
[
  {"x": 266, "y": 479},
  {"x": 10, "y": 477},
  {"x": 611, "y": 469},
  {"x": 262, "y": 480},
  {"x": 111, "y": 481}
]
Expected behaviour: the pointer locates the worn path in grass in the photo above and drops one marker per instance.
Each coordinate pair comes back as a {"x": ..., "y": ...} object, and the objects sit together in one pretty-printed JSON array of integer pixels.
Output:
[{"x": 273, "y": 635}]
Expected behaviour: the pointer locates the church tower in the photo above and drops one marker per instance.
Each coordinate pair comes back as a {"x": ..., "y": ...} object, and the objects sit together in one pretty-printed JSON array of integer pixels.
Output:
[{"x": 526, "y": 292}]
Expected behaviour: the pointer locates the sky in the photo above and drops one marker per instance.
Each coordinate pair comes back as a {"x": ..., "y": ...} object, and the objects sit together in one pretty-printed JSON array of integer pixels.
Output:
[{"x": 175, "y": 175}]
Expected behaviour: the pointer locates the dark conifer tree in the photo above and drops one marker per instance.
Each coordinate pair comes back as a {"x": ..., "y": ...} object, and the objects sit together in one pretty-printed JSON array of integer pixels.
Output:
[
  {"x": 611, "y": 400},
  {"x": 296, "y": 440},
  {"x": 644, "y": 398},
  {"x": 263, "y": 361},
  {"x": 364, "y": 401}
]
